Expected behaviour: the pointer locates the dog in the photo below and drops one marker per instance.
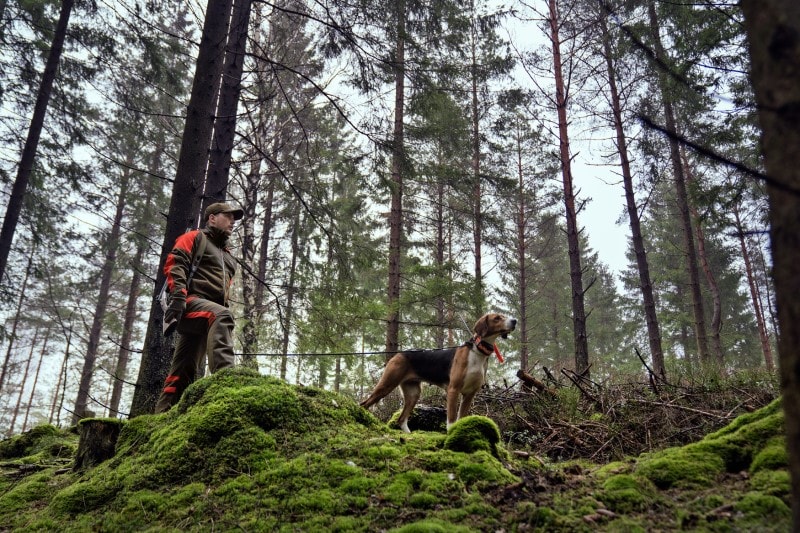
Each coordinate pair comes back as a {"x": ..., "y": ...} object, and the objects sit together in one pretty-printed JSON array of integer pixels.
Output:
[{"x": 460, "y": 371}]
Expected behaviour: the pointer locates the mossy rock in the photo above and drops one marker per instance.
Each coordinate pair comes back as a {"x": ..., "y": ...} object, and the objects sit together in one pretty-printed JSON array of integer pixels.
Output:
[{"x": 474, "y": 433}]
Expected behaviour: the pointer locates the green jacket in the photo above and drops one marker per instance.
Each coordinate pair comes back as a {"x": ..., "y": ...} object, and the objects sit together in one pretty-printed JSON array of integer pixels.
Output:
[{"x": 214, "y": 276}]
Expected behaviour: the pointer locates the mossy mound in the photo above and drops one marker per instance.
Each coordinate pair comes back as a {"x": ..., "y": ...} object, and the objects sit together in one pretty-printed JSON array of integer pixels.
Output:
[
  {"x": 738, "y": 474},
  {"x": 38, "y": 444},
  {"x": 472, "y": 434},
  {"x": 245, "y": 451},
  {"x": 732, "y": 449}
]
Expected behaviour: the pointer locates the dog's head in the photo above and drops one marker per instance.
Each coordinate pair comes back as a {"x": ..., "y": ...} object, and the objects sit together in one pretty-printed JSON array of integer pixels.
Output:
[{"x": 493, "y": 325}]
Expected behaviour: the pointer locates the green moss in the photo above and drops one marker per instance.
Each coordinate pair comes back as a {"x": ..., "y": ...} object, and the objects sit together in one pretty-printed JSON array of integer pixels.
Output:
[
  {"x": 761, "y": 508},
  {"x": 484, "y": 470},
  {"x": 39, "y": 444},
  {"x": 744, "y": 421},
  {"x": 772, "y": 482},
  {"x": 403, "y": 486},
  {"x": 772, "y": 457},
  {"x": 681, "y": 467},
  {"x": 23, "y": 495},
  {"x": 423, "y": 500},
  {"x": 474, "y": 433},
  {"x": 84, "y": 496},
  {"x": 625, "y": 493},
  {"x": 612, "y": 469},
  {"x": 431, "y": 526}
]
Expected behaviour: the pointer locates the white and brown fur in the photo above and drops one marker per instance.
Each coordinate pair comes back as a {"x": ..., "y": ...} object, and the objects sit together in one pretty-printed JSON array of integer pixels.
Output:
[{"x": 460, "y": 371}]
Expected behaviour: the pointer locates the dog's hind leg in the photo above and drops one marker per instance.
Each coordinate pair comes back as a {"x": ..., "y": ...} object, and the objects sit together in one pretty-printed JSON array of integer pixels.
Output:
[
  {"x": 392, "y": 375},
  {"x": 411, "y": 392}
]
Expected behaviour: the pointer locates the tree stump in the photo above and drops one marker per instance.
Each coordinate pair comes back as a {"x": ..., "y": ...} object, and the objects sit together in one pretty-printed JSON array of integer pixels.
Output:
[{"x": 97, "y": 442}]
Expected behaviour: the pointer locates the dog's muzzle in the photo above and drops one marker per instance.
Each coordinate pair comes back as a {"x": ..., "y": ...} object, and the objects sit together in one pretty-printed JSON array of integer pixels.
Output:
[{"x": 511, "y": 324}]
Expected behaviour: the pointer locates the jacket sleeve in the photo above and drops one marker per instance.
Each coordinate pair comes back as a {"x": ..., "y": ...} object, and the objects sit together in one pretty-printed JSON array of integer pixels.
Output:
[{"x": 179, "y": 262}]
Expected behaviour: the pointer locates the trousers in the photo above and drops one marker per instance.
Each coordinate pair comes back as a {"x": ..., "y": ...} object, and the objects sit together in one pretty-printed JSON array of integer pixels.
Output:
[{"x": 206, "y": 329}]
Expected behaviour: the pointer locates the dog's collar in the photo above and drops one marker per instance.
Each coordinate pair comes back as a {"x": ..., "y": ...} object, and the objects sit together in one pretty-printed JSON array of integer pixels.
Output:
[{"x": 486, "y": 348}]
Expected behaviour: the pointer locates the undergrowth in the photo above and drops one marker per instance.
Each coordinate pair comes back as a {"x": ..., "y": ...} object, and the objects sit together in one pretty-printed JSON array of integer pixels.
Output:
[{"x": 247, "y": 452}]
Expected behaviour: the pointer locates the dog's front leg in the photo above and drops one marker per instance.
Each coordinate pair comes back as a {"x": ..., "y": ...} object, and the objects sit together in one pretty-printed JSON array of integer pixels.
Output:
[
  {"x": 452, "y": 405},
  {"x": 466, "y": 404}
]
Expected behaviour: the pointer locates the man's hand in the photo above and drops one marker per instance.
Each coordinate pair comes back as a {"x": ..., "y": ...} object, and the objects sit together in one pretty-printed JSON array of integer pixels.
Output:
[{"x": 176, "y": 308}]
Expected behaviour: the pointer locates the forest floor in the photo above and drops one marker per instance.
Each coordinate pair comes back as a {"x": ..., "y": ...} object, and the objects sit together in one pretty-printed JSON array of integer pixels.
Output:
[{"x": 251, "y": 453}]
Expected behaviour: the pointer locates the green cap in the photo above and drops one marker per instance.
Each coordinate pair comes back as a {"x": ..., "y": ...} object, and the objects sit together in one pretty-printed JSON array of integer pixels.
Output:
[{"x": 222, "y": 207}]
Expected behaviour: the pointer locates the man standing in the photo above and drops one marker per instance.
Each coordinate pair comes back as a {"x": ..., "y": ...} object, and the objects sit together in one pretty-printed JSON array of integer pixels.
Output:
[{"x": 205, "y": 324}]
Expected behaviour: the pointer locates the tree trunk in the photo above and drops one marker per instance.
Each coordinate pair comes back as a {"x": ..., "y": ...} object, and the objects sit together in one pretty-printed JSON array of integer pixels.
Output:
[
  {"x": 249, "y": 284},
  {"x": 398, "y": 168},
  {"x": 287, "y": 316},
  {"x": 62, "y": 378},
  {"x": 123, "y": 355},
  {"x": 576, "y": 272},
  {"x": 763, "y": 335},
  {"x": 682, "y": 197},
  {"x": 713, "y": 287},
  {"x": 642, "y": 265},
  {"x": 184, "y": 208},
  {"x": 216, "y": 186},
  {"x": 477, "y": 214},
  {"x": 439, "y": 260},
  {"x": 13, "y": 334},
  {"x": 15, "y": 413},
  {"x": 35, "y": 379},
  {"x": 106, "y": 272},
  {"x": 522, "y": 235},
  {"x": 772, "y": 28},
  {"x": 17, "y": 198}
]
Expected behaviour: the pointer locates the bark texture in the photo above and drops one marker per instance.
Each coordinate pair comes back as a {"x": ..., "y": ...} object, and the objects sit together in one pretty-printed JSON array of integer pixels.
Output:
[{"x": 773, "y": 33}]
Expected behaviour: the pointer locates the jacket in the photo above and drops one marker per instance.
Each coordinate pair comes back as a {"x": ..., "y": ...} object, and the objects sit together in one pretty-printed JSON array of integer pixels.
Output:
[{"x": 214, "y": 276}]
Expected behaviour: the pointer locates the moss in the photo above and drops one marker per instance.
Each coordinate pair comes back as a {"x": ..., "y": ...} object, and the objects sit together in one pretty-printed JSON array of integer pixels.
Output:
[
  {"x": 431, "y": 526},
  {"x": 612, "y": 469},
  {"x": 44, "y": 438},
  {"x": 84, "y": 496},
  {"x": 769, "y": 412},
  {"x": 484, "y": 470},
  {"x": 681, "y": 467},
  {"x": 761, "y": 508},
  {"x": 772, "y": 457},
  {"x": 772, "y": 482},
  {"x": 474, "y": 433},
  {"x": 23, "y": 495},
  {"x": 403, "y": 486},
  {"x": 625, "y": 493}
]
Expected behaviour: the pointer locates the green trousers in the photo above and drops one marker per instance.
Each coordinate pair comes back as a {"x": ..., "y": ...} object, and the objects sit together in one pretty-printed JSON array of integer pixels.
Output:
[{"x": 206, "y": 329}]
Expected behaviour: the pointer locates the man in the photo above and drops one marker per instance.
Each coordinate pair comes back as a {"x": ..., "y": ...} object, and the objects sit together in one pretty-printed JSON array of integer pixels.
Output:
[{"x": 205, "y": 323}]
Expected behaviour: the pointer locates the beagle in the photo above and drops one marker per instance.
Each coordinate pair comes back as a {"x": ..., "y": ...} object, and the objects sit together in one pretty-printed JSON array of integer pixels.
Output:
[{"x": 460, "y": 371}]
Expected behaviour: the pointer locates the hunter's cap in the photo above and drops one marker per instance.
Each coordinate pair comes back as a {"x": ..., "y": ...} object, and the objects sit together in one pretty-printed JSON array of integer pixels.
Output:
[{"x": 222, "y": 207}]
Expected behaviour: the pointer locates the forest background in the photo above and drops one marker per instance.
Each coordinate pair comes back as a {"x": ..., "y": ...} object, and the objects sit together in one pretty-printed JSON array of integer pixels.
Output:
[{"x": 404, "y": 167}]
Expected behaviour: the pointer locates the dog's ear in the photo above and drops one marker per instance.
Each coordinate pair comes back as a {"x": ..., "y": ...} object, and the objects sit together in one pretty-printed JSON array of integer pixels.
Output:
[{"x": 482, "y": 326}]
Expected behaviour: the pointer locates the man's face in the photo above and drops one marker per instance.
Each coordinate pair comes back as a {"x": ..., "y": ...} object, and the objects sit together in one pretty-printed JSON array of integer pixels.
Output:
[{"x": 222, "y": 221}]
